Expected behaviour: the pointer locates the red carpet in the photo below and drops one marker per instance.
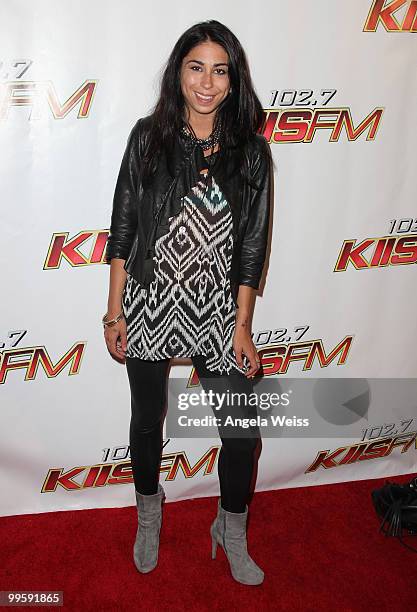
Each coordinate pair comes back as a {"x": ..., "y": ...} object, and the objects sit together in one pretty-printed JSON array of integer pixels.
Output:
[{"x": 319, "y": 547}]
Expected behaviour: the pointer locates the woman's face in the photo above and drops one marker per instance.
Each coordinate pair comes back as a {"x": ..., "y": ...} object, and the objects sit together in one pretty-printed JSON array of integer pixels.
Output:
[{"x": 205, "y": 78}]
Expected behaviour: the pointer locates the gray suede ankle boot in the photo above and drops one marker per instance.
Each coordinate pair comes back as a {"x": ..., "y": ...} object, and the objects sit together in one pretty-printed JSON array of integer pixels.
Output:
[
  {"x": 146, "y": 547},
  {"x": 229, "y": 530}
]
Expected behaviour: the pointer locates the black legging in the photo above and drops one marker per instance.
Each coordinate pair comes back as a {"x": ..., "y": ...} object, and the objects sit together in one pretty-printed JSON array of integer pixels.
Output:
[{"x": 236, "y": 461}]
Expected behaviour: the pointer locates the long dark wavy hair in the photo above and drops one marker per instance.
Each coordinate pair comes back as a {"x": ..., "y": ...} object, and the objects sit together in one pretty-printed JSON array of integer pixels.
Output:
[{"x": 240, "y": 114}]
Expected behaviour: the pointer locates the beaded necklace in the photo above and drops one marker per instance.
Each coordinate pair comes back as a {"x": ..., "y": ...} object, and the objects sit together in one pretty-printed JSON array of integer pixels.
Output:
[{"x": 205, "y": 143}]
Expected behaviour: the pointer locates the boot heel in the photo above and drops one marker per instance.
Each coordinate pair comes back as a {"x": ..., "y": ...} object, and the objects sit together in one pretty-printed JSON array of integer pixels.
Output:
[
  {"x": 213, "y": 547},
  {"x": 146, "y": 546}
]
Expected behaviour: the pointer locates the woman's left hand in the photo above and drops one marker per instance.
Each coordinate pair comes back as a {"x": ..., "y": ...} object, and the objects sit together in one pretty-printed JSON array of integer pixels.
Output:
[{"x": 243, "y": 345}]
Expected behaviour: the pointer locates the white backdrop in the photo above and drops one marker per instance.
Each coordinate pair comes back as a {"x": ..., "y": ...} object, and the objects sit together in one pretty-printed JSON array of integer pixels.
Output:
[{"x": 74, "y": 79}]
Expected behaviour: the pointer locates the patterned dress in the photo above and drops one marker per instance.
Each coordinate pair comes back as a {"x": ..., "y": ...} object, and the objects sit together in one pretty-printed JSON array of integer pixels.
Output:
[{"x": 188, "y": 308}]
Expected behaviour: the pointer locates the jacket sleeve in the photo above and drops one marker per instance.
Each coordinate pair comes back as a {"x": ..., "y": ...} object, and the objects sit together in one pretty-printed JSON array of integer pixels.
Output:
[
  {"x": 124, "y": 216},
  {"x": 254, "y": 242}
]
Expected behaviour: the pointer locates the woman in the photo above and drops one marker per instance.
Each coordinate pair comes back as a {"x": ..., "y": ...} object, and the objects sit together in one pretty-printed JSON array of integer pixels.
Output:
[{"x": 187, "y": 246}]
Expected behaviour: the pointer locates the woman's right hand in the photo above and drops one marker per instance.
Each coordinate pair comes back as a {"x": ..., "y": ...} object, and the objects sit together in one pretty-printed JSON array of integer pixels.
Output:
[{"x": 116, "y": 339}]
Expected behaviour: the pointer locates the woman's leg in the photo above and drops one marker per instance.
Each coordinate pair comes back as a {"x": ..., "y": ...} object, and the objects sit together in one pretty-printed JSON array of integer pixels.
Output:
[
  {"x": 236, "y": 464},
  {"x": 236, "y": 460},
  {"x": 147, "y": 380}
]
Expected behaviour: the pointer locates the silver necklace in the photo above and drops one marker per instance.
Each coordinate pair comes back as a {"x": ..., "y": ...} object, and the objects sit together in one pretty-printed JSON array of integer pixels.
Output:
[{"x": 205, "y": 143}]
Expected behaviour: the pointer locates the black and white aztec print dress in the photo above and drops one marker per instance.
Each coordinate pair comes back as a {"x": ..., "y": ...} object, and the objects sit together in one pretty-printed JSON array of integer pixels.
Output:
[{"x": 188, "y": 308}]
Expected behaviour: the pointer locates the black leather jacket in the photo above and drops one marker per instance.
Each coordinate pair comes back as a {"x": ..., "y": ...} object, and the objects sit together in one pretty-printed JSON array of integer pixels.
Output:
[{"x": 140, "y": 216}]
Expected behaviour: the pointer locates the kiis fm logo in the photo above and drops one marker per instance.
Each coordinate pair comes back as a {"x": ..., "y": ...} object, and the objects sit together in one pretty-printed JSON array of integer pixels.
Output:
[
  {"x": 62, "y": 247},
  {"x": 29, "y": 358},
  {"x": 381, "y": 251},
  {"x": 39, "y": 95},
  {"x": 382, "y": 12},
  {"x": 300, "y": 125},
  {"x": 104, "y": 474},
  {"x": 279, "y": 348},
  {"x": 371, "y": 448}
]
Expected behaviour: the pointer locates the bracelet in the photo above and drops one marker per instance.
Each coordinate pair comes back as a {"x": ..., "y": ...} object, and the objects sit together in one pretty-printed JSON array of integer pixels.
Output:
[{"x": 113, "y": 321}]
